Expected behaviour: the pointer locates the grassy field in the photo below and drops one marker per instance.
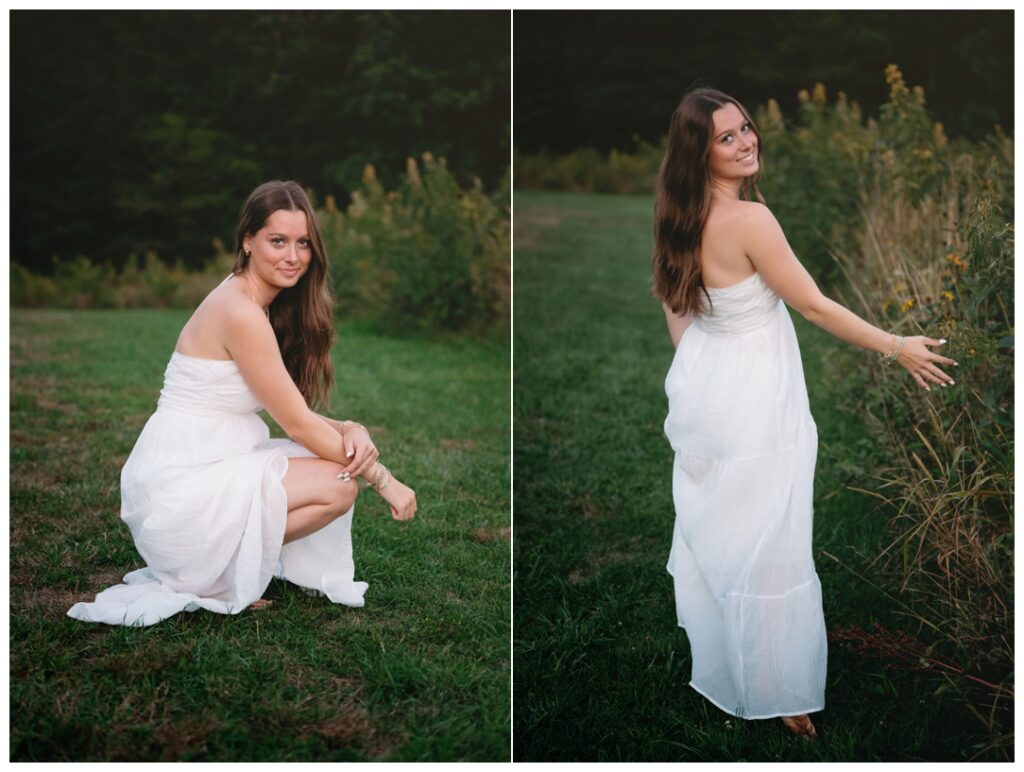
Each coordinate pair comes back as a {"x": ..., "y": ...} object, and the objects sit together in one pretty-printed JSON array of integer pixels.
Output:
[
  {"x": 601, "y": 669},
  {"x": 420, "y": 673}
]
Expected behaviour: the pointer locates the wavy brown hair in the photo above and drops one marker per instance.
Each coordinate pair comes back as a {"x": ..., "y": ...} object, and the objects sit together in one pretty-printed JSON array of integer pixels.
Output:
[
  {"x": 683, "y": 198},
  {"x": 302, "y": 316}
]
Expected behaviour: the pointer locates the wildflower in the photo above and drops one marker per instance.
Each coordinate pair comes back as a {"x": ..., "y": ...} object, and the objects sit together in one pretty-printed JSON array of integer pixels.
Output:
[
  {"x": 369, "y": 173},
  {"x": 818, "y": 94},
  {"x": 330, "y": 204},
  {"x": 907, "y": 305},
  {"x": 897, "y": 86},
  {"x": 939, "y": 133},
  {"x": 803, "y": 96},
  {"x": 954, "y": 258},
  {"x": 412, "y": 172},
  {"x": 947, "y": 295},
  {"x": 919, "y": 94}
]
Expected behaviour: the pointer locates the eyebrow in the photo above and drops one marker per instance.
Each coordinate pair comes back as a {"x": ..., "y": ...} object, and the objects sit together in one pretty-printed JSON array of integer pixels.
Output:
[
  {"x": 285, "y": 235},
  {"x": 727, "y": 131}
]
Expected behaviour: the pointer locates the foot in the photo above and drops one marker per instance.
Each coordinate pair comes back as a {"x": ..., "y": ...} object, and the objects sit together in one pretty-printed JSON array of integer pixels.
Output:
[{"x": 801, "y": 725}]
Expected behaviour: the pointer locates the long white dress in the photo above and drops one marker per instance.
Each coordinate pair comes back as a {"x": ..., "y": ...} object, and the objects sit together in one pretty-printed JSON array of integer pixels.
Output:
[
  {"x": 745, "y": 445},
  {"x": 202, "y": 495}
]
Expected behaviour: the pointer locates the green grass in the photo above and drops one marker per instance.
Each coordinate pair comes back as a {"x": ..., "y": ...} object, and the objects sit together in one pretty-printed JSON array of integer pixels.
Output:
[
  {"x": 420, "y": 673},
  {"x": 601, "y": 669}
]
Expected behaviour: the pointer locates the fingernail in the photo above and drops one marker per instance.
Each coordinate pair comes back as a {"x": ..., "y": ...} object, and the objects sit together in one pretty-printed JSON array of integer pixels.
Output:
[
  {"x": 942, "y": 340},
  {"x": 956, "y": 364},
  {"x": 927, "y": 389},
  {"x": 943, "y": 384},
  {"x": 351, "y": 453},
  {"x": 951, "y": 381}
]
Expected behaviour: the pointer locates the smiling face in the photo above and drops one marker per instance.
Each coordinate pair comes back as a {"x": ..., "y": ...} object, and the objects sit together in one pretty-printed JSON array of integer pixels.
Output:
[
  {"x": 280, "y": 252},
  {"x": 734, "y": 145}
]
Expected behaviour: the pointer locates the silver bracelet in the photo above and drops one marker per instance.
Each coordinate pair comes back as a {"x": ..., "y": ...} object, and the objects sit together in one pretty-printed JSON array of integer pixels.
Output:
[{"x": 893, "y": 355}]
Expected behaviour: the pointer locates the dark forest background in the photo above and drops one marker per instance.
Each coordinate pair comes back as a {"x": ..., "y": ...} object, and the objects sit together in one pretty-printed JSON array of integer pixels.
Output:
[
  {"x": 136, "y": 132},
  {"x": 605, "y": 79}
]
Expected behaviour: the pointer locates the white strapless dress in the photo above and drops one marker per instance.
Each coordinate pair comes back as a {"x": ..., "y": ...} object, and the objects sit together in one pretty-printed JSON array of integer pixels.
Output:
[
  {"x": 202, "y": 495},
  {"x": 745, "y": 446}
]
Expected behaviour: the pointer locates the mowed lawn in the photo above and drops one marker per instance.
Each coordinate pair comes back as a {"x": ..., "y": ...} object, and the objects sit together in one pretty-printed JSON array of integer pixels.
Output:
[
  {"x": 600, "y": 667},
  {"x": 420, "y": 673}
]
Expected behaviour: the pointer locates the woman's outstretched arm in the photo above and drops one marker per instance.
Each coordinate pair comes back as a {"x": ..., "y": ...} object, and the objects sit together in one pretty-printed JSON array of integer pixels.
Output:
[{"x": 766, "y": 246}]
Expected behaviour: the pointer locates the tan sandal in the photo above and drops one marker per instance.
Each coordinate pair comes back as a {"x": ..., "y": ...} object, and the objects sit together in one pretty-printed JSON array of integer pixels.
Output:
[{"x": 801, "y": 726}]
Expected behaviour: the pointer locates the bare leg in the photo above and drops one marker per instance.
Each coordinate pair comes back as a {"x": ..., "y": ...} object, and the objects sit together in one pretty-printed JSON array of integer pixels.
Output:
[{"x": 316, "y": 497}]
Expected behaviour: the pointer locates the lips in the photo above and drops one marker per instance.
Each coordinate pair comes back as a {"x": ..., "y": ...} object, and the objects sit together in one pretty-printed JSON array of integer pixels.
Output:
[{"x": 748, "y": 159}]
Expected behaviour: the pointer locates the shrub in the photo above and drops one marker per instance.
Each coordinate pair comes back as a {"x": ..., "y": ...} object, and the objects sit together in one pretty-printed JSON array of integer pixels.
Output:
[{"x": 426, "y": 256}]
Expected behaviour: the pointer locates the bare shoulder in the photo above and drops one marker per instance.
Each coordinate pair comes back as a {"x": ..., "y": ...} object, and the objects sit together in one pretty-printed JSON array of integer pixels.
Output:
[
  {"x": 754, "y": 213},
  {"x": 225, "y": 316},
  {"x": 732, "y": 215}
]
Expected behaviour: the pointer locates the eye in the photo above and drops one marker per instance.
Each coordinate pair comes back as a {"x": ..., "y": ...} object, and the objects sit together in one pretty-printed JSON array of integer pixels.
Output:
[
  {"x": 276, "y": 240},
  {"x": 306, "y": 243}
]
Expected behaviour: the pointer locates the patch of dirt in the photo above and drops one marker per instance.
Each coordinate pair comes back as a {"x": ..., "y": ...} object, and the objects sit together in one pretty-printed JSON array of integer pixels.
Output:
[
  {"x": 485, "y": 535},
  {"x": 186, "y": 734},
  {"x": 593, "y": 567},
  {"x": 350, "y": 725},
  {"x": 460, "y": 444},
  {"x": 55, "y": 601},
  {"x": 589, "y": 509}
]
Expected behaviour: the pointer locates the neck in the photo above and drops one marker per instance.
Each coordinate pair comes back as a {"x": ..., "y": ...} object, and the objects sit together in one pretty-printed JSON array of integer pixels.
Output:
[
  {"x": 259, "y": 290},
  {"x": 726, "y": 188}
]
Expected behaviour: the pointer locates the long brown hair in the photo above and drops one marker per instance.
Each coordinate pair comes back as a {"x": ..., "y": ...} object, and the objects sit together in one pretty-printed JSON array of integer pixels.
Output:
[
  {"x": 302, "y": 316},
  {"x": 683, "y": 198}
]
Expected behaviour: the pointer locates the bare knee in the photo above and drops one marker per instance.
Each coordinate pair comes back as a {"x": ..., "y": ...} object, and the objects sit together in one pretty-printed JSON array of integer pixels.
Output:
[{"x": 341, "y": 496}]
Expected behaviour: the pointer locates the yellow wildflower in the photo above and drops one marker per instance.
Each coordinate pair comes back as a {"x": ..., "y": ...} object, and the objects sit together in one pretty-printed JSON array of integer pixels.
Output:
[
  {"x": 818, "y": 94},
  {"x": 939, "y": 133},
  {"x": 954, "y": 258},
  {"x": 947, "y": 295},
  {"x": 369, "y": 173},
  {"x": 802, "y": 95},
  {"x": 412, "y": 172},
  {"x": 907, "y": 305},
  {"x": 897, "y": 86}
]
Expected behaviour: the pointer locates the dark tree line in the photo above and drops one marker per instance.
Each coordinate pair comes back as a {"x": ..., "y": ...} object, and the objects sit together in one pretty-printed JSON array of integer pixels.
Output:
[
  {"x": 599, "y": 78},
  {"x": 139, "y": 130}
]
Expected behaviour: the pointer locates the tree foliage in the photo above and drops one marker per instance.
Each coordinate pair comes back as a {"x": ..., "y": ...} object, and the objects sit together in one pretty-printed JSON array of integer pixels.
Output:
[{"x": 138, "y": 131}]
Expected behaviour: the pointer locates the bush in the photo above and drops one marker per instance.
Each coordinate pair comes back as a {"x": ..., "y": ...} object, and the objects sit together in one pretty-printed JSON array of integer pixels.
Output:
[
  {"x": 427, "y": 256},
  {"x": 930, "y": 251},
  {"x": 588, "y": 171}
]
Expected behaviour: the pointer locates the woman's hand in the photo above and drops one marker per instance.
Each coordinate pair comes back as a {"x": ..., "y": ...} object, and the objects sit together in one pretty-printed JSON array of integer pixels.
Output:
[
  {"x": 360, "y": 449},
  {"x": 401, "y": 498},
  {"x": 922, "y": 363}
]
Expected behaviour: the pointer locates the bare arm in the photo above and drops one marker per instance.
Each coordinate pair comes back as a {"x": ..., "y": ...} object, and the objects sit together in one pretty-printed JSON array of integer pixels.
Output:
[
  {"x": 766, "y": 246},
  {"x": 677, "y": 324},
  {"x": 250, "y": 340}
]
